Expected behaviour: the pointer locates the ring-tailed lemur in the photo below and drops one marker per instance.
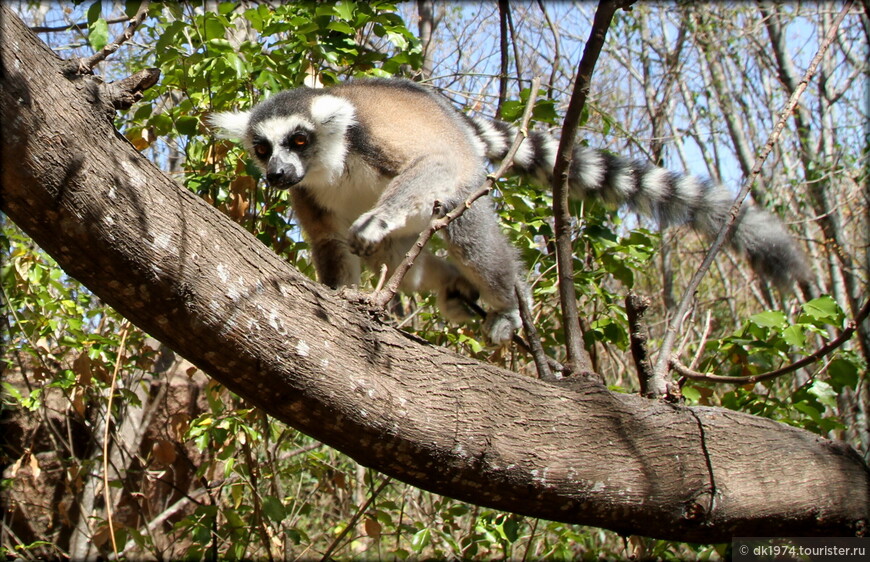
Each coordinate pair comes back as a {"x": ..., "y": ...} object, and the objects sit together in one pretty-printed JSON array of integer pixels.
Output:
[{"x": 365, "y": 162}]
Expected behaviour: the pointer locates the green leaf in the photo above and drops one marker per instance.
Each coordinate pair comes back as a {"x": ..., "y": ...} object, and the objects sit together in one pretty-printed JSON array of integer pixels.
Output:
[
  {"x": 511, "y": 529},
  {"x": 274, "y": 509},
  {"x": 811, "y": 412},
  {"x": 843, "y": 373},
  {"x": 768, "y": 319},
  {"x": 214, "y": 29},
  {"x": 824, "y": 393},
  {"x": 824, "y": 309},
  {"x": 225, "y": 8},
  {"x": 421, "y": 539},
  {"x": 344, "y": 10},
  {"x": 95, "y": 12},
  {"x": 131, "y": 7},
  {"x": 220, "y": 45},
  {"x": 691, "y": 394},
  {"x": 98, "y": 34},
  {"x": 794, "y": 336},
  {"x": 340, "y": 27},
  {"x": 187, "y": 125}
]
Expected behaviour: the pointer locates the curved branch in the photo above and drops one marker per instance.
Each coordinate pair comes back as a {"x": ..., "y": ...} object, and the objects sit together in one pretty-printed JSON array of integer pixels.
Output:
[{"x": 823, "y": 351}]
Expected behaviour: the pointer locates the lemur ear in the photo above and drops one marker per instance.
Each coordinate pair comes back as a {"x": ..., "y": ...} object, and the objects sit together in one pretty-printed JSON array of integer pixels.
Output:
[
  {"x": 332, "y": 112},
  {"x": 230, "y": 124}
]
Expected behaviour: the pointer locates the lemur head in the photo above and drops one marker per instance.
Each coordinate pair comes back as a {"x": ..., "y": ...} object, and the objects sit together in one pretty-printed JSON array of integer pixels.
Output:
[{"x": 296, "y": 137}]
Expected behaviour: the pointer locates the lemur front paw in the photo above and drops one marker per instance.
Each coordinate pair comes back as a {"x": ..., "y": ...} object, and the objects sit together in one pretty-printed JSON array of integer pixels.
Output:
[{"x": 367, "y": 233}]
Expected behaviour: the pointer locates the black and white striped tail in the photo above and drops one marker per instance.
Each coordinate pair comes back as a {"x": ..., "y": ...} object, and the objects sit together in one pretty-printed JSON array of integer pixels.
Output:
[{"x": 668, "y": 197}]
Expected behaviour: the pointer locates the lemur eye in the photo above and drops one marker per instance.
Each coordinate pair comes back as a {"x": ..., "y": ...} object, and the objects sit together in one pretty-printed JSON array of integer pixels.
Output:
[
  {"x": 262, "y": 150},
  {"x": 299, "y": 140}
]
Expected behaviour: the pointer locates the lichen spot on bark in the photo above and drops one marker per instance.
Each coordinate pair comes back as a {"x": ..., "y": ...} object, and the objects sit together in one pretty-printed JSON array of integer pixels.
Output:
[
  {"x": 302, "y": 348},
  {"x": 223, "y": 273}
]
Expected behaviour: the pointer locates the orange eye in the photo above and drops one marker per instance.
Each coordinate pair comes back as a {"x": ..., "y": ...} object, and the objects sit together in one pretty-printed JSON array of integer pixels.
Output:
[
  {"x": 299, "y": 140},
  {"x": 262, "y": 150}
]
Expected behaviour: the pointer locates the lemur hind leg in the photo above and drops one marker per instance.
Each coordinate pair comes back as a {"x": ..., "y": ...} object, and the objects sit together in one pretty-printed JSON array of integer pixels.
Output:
[
  {"x": 429, "y": 273},
  {"x": 486, "y": 258}
]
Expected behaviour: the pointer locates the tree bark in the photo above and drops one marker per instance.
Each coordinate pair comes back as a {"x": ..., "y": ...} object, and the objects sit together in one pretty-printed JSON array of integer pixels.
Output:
[{"x": 573, "y": 452}]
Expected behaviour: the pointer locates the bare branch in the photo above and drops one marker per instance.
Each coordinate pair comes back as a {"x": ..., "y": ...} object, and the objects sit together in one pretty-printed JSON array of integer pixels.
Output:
[
  {"x": 635, "y": 307},
  {"x": 556, "y": 44},
  {"x": 73, "y": 26},
  {"x": 578, "y": 358},
  {"x": 664, "y": 358},
  {"x": 542, "y": 362}
]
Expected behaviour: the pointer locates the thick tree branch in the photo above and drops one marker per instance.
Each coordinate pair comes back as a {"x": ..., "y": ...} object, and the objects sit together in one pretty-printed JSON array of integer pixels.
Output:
[{"x": 575, "y": 452}]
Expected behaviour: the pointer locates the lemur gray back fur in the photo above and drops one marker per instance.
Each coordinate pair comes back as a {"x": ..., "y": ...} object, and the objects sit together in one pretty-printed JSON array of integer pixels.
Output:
[{"x": 365, "y": 162}]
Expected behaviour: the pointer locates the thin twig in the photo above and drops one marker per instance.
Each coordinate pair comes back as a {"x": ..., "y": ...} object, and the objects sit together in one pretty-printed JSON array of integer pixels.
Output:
[
  {"x": 534, "y": 342},
  {"x": 829, "y": 347},
  {"x": 556, "y": 41},
  {"x": 86, "y": 65},
  {"x": 439, "y": 221},
  {"x": 664, "y": 358},
  {"x": 708, "y": 325},
  {"x": 73, "y": 26},
  {"x": 252, "y": 482},
  {"x": 107, "y": 497},
  {"x": 578, "y": 358},
  {"x": 382, "y": 277},
  {"x": 353, "y": 520}
]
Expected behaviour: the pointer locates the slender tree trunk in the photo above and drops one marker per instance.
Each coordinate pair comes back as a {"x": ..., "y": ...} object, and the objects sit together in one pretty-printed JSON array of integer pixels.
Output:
[
  {"x": 572, "y": 452},
  {"x": 425, "y": 26}
]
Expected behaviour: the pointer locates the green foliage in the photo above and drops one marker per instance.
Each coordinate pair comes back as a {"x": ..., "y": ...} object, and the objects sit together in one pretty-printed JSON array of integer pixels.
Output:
[{"x": 769, "y": 340}]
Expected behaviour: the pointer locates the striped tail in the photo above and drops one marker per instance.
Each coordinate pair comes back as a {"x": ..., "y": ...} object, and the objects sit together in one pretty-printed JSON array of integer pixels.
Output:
[{"x": 668, "y": 197}]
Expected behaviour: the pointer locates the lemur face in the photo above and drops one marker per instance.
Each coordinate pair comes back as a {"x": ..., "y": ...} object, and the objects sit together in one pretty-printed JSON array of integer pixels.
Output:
[
  {"x": 294, "y": 135},
  {"x": 282, "y": 148}
]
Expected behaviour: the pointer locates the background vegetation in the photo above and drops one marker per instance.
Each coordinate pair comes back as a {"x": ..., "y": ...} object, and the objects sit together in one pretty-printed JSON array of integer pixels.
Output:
[{"x": 194, "y": 471}]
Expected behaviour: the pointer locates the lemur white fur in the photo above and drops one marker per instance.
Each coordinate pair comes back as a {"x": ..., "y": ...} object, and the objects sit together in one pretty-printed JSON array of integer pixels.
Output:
[{"x": 365, "y": 162}]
